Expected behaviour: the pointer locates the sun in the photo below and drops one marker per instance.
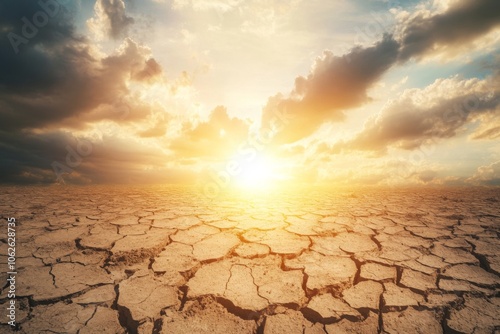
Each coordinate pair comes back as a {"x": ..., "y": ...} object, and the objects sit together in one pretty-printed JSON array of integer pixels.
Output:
[{"x": 259, "y": 173}]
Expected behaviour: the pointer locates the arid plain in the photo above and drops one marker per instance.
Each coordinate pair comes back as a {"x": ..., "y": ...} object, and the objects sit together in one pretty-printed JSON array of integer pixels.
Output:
[{"x": 169, "y": 260}]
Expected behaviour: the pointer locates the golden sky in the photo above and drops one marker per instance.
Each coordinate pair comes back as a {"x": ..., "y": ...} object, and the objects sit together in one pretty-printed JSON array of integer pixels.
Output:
[{"x": 252, "y": 92}]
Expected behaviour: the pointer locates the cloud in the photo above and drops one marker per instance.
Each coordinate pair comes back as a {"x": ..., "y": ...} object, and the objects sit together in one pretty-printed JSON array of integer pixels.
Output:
[
  {"x": 27, "y": 157},
  {"x": 487, "y": 175},
  {"x": 26, "y": 66},
  {"x": 334, "y": 84},
  {"x": 218, "y": 137},
  {"x": 30, "y": 157},
  {"x": 427, "y": 176},
  {"x": 57, "y": 83},
  {"x": 110, "y": 19},
  {"x": 338, "y": 83},
  {"x": 35, "y": 83},
  {"x": 254, "y": 17},
  {"x": 489, "y": 133},
  {"x": 41, "y": 88},
  {"x": 488, "y": 129},
  {"x": 420, "y": 116},
  {"x": 217, "y": 5},
  {"x": 159, "y": 129},
  {"x": 422, "y": 32},
  {"x": 355, "y": 169}
]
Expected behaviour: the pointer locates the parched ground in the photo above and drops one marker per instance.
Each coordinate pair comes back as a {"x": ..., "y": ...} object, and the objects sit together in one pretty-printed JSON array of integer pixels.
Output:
[{"x": 168, "y": 260}]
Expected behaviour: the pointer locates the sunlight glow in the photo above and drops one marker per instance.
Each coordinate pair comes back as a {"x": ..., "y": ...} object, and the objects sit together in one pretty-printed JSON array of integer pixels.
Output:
[{"x": 257, "y": 174}]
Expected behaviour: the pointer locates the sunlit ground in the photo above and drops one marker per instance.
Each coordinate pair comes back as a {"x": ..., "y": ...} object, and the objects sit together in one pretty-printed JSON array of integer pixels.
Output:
[{"x": 240, "y": 256}]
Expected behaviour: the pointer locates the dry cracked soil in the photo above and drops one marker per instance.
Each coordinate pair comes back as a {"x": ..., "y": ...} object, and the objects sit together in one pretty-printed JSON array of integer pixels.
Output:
[{"x": 168, "y": 260}]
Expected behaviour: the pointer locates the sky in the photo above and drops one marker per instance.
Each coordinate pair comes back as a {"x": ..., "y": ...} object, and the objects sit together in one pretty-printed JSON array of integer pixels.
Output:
[{"x": 255, "y": 92}]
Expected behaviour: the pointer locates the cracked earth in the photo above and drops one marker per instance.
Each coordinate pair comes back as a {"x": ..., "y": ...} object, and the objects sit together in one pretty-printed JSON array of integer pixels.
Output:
[{"x": 168, "y": 260}]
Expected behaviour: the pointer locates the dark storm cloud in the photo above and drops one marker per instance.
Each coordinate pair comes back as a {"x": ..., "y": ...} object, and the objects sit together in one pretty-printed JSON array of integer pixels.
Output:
[
  {"x": 50, "y": 76},
  {"x": 27, "y": 157},
  {"x": 337, "y": 83},
  {"x": 54, "y": 75},
  {"x": 41, "y": 158},
  {"x": 25, "y": 67},
  {"x": 463, "y": 22}
]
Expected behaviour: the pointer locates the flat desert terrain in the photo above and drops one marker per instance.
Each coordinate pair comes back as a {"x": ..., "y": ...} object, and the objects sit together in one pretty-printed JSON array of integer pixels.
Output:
[{"x": 97, "y": 259}]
